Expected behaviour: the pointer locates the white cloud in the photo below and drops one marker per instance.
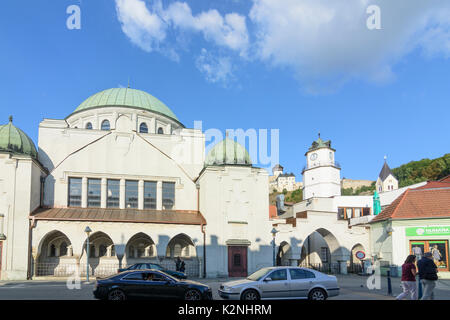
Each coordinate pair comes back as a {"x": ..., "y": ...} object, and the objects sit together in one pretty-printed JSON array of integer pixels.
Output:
[
  {"x": 326, "y": 42},
  {"x": 148, "y": 27},
  {"x": 216, "y": 69},
  {"x": 145, "y": 29}
]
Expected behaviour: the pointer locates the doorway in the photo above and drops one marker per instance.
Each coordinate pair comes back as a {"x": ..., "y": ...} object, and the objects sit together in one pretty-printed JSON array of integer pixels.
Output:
[{"x": 237, "y": 261}]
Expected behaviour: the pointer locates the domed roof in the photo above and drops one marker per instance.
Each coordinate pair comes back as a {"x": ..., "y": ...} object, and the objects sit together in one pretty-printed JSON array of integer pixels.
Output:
[
  {"x": 14, "y": 140},
  {"x": 126, "y": 97},
  {"x": 228, "y": 152}
]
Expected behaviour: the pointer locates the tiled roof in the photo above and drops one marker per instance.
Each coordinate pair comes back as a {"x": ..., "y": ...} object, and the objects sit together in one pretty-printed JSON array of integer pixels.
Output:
[
  {"x": 120, "y": 215},
  {"x": 445, "y": 179},
  {"x": 429, "y": 201}
]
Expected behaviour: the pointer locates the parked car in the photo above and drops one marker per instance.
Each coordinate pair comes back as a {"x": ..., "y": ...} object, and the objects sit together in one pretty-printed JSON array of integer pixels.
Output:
[
  {"x": 149, "y": 284},
  {"x": 144, "y": 266},
  {"x": 282, "y": 283}
]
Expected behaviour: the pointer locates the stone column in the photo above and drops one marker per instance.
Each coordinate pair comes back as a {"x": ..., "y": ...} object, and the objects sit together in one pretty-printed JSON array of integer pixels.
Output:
[
  {"x": 104, "y": 193},
  {"x": 84, "y": 192},
  {"x": 152, "y": 126},
  {"x": 122, "y": 194},
  {"x": 159, "y": 195},
  {"x": 342, "y": 266},
  {"x": 141, "y": 195}
]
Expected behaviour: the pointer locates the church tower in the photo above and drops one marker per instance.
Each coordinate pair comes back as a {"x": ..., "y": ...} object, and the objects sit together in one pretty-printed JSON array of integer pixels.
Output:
[
  {"x": 386, "y": 180},
  {"x": 321, "y": 175}
]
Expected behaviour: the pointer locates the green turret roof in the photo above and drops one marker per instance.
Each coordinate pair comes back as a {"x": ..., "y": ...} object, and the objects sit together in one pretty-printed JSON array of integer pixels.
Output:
[
  {"x": 14, "y": 140},
  {"x": 126, "y": 97},
  {"x": 319, "y": 143},
  {"x": 228, "y": 152}
]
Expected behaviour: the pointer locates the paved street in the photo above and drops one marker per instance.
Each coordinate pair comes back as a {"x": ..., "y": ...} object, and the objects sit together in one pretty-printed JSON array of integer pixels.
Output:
[{"x": 353, "y": 287}]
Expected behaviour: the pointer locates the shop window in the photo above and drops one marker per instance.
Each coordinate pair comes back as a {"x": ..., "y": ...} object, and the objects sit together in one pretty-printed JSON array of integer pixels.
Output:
[{"x": 438, "y": 249}]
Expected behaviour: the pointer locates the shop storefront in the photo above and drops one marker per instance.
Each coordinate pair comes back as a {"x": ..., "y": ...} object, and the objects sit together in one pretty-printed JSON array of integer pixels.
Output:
[
  {"x": 418, "y": 221},
  {"x": 430, "y": 239}
]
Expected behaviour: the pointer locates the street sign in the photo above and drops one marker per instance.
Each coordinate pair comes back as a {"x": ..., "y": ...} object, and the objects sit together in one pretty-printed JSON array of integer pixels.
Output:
[{"x": 360, "y": 255}]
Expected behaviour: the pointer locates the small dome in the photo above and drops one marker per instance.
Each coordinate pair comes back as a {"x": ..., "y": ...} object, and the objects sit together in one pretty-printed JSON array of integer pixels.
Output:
[
  {"x": 126, "y": 97},
  {"x": 228, "y": 152},
  {"x": 14, "y": 140}
]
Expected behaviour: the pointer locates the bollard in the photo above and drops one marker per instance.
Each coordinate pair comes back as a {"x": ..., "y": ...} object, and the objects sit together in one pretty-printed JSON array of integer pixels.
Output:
[
  {"x": 420, "y": 293},
  {"x": 389, "y": 282}
]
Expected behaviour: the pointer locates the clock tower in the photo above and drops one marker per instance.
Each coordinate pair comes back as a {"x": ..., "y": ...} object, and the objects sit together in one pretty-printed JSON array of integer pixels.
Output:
[{"x": 321, "y": 175}]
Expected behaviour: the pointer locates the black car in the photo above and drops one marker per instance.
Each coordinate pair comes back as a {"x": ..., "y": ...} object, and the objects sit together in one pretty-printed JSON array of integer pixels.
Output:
[
  {"x": 149, "y": 284},
  {"x": 145, "y": 266}
]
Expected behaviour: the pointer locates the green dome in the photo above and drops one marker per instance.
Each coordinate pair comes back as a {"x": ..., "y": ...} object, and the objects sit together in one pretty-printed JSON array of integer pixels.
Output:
[
  {"x": 14, "y": 140},
  {"x": 228, "y": 152},
  {"x": 126, "y": 97}
]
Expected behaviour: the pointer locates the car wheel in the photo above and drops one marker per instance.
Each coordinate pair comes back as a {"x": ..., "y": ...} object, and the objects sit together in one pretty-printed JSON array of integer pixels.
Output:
[
  {"x": 192, "y": 294},
  {"x": 317, "y": 294},
  {"x": 250, "y": 295},
  {"x": 117, "y": 295}
]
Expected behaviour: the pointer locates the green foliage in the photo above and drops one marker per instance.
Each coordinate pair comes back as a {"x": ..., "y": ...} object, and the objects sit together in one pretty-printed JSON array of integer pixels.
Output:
[
  {"x": 423, "y": 170},
  {"x": 295, "y": 196},
  {"x": 359, "y": 190},
  {"x": 285, "y": 191}
]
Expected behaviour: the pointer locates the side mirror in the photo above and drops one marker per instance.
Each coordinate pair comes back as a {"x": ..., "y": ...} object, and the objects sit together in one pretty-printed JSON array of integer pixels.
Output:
[{"x": 267, "y": 279}]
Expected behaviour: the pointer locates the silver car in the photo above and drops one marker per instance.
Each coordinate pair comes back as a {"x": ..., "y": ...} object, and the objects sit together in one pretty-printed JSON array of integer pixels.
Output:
[{"x": 282, "y": 283}]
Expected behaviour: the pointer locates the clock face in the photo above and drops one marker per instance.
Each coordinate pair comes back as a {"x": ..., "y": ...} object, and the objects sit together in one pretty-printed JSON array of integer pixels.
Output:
[{"x": 313, "y": 156}]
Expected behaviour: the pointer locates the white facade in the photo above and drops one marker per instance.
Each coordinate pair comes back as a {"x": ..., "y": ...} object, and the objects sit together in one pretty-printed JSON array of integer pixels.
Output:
[{"x": 81, "y": 158}]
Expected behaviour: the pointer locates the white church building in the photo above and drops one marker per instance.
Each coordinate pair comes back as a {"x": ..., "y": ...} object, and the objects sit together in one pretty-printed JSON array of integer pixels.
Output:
[{"x": 124, "y": 165}]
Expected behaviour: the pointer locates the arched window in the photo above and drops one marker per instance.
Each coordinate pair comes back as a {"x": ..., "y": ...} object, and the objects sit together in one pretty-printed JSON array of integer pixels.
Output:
[
  {"x": 131, "y": 252},
  {"x": 105, "y": 125},
  {"x": 63, "y": 249},
  {"x": 160, "y": 130},
  {"x": 102, "y": 250},
  {"x": 52, "y": 250},
  {"x": 89, "y": 126},
  {"x": 143, "y": 128}
]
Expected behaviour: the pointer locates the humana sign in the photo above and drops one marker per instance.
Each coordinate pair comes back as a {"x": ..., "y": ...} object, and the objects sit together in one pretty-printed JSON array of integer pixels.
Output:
[{"x": 428, "y": 231}]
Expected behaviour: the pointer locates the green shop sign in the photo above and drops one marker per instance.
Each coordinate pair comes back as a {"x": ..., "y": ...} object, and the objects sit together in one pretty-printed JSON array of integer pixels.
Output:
[{"x": 428, "y": 231}]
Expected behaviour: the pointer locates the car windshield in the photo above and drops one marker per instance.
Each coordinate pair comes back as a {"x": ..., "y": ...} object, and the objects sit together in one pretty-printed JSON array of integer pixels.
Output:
[
  {"x": 259, "y": 274},
  {"x": 156, "y": 266}
]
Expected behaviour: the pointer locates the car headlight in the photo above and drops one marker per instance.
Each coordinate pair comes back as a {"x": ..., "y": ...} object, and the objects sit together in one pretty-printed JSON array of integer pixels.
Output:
[{"x": 227, "y": 289}]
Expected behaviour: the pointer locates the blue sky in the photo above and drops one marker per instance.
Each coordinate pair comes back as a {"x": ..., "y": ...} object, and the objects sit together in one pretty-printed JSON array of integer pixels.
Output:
[{"x": 259, "y": 64}]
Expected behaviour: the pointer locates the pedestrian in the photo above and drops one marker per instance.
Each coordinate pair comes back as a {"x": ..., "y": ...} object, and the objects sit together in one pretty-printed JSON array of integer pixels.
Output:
[
  {"x": 182, "y": 266},
  {"x": 178, "y": 264},
  {"x": 427, "y": 275},
  {"x": 409, "y": 279}
]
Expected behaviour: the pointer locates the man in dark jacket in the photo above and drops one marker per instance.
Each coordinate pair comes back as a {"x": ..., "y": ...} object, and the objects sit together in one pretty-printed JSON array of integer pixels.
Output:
[{"x": 427, "y": 275}]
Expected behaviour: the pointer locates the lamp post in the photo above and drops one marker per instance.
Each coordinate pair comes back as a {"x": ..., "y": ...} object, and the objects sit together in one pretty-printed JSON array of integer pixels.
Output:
[
  {"x": 88, "y": 231},
  {"x": 274, "y": 233}
]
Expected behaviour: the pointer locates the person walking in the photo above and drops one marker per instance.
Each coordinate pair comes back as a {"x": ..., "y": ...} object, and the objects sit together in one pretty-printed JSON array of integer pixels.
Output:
[
  {"x": 427, "y": 275},
  {"x": 409, "y": 279},
  {"x": 178, "y": 264},
  {"x": 182, "y": 266}
]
